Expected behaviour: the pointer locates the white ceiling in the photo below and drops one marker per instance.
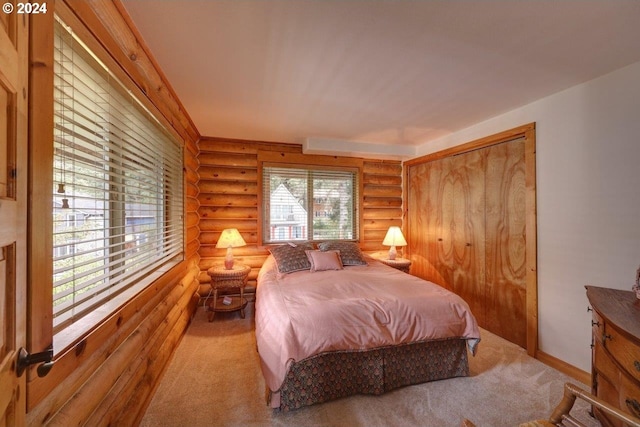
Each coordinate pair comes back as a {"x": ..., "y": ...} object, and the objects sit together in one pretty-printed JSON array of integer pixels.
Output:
[{"x": 400, "y": 72}]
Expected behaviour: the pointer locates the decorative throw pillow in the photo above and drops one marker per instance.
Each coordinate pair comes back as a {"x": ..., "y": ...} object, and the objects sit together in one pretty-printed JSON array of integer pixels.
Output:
[
  {"x": 350, "y": 253},
  {"x": 324, "y": 260},
  {"x": 290, "y": 257}
]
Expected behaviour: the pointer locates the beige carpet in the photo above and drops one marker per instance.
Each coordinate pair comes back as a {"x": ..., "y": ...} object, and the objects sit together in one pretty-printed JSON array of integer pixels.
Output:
[{"x": 214, "y": 379}]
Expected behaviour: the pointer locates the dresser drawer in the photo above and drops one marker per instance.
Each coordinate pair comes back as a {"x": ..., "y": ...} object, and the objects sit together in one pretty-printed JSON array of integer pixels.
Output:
[
  {"x": 608, "y": 393},
  {"x": 629, "y": 396},
  {"x": 624, "y": 351},
  {"x": 604, "y": 364},
  {"x": 615, "y": 386}
]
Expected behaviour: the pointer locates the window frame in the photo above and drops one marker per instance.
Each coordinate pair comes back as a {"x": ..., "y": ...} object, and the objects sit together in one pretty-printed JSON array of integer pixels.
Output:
[
  {"x": 307, "y": 161},
  {"x": 114, "y": 158},
  {"x": 106, "y": 319}
]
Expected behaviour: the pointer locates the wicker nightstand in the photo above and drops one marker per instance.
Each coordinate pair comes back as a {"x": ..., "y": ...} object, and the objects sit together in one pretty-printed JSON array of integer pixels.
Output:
[
  {"x": 401, "y": 264},
  {"x": 222, "y": 278}
]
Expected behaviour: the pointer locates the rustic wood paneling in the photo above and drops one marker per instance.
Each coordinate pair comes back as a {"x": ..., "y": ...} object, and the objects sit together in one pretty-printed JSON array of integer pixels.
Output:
[
  {"x": 372, "y": 190},
  {"x": 229, "y": 188},
  {"x": 227, "y": 174},
  {"x": 107, "y": 378},
  {"x": 381, "y": 202},
  {"x": 239, "y": 200},
  {"x": 229, "y": 198}
]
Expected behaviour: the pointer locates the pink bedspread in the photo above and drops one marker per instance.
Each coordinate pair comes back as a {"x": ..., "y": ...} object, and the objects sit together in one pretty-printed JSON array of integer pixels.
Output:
[{"x": 301, "y": 314}]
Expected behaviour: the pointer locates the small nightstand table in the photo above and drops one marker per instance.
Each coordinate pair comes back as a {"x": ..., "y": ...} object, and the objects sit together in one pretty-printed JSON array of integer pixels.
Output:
[
  {"x": 221, "y": 278},
  {"x": 401, "y": 264}
]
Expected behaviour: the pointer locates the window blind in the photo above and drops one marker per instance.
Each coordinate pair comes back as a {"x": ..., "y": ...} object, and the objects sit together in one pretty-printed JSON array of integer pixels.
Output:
[
  {"x": 303, "y": 204},
  {"x": 118, "y": 196}
]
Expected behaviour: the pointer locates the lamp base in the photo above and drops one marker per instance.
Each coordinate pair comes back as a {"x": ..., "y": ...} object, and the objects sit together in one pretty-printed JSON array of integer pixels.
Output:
[
  {"x": 392, "y": 253},
  {"x": 228, "y": 259}
]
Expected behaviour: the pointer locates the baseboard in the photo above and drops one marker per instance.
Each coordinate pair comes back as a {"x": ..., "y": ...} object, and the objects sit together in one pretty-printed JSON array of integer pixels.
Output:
[{"x": 564, "y": 367}]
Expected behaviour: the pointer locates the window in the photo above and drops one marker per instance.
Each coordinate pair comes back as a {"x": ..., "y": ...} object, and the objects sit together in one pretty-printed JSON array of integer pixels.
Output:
[
  {"x": 74, "y": 220},
  {"x": 118, "y": 196},
  {"x": 309, "y": 204}
]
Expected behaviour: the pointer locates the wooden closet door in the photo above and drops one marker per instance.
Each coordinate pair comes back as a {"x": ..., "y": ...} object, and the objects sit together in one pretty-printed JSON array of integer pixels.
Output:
[
  {"x": 464, "y": 235},
  {"x": 446, "y": 225},
  {"x": 467, "y": 222},
  {"x": 431, "y": 202},
  {"x": 505, "y": 218}
]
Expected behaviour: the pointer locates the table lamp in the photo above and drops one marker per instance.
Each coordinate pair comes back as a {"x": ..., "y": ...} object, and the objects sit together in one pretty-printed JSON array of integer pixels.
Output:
[
  {"x": 230, "y": 238},
  {"x": 394, "y": 238}
]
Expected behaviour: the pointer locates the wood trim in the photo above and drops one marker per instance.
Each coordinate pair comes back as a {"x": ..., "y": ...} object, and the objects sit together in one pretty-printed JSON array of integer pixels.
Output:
[
  {"x": 233, "y": 145},
  {"x": 488, "y": 141},
  {"x": 259, "y": 233},
  {"x": 526, "y": 131},
  {"x": 40, "y": 182},
  {"x": 564, "y": 367},
  {"x": 309, "y": 159},
  {"x": 531, "y": 240}
]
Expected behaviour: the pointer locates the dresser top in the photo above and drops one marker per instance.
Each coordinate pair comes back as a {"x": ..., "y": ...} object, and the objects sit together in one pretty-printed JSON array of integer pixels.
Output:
[{"x": 621, "y": 308}]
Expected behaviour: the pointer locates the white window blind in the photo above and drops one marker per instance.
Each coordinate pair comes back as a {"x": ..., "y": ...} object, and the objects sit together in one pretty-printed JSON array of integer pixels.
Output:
[
  {"x": 309, "y": 204},
  {"x": 118, "y": 196}
]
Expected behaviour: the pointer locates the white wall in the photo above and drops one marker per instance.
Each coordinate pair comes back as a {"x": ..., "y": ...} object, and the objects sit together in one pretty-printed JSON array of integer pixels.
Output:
[{"x": 588, "y": 188}]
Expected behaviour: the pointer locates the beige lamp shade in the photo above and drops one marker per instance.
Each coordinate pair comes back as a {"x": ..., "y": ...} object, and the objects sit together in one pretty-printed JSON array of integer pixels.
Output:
[
  {"x": 394, "y": 238},
  {"x": 230, "y": 238}
]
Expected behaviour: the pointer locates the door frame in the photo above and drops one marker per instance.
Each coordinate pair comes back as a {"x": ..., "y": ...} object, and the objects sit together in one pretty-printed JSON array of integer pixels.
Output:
[{"x": 14, "y": 63}]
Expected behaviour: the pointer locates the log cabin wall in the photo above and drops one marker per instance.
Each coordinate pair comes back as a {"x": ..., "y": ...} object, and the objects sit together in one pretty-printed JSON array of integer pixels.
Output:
[
  {"x": 228, "y": 198},
  {"x": 108, "y": 377}
]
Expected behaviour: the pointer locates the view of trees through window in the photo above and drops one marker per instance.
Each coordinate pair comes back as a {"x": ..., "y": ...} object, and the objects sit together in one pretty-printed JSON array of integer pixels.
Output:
[
  {"x": 310, "y": 204},
  {"x": 118, "y": 185}
]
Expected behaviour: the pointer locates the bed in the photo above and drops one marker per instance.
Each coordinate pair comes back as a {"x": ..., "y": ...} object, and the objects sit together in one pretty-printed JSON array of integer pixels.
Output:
[{"x": 329, "y": 329}]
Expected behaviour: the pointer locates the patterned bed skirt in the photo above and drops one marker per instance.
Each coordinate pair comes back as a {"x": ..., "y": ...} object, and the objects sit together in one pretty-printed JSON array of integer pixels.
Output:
[{"x": 333, "y": 375}]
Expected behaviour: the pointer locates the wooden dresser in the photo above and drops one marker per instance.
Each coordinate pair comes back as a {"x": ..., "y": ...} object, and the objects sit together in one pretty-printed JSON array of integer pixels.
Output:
[{"x": 616, "y": 350}]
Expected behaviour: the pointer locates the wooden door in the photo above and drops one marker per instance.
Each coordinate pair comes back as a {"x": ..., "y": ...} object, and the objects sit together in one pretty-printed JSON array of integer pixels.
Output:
[
  {"x": 466, "y": 230},
  {"x": 447, "y": 225},
  {"x": 505, "y": 218},
  {"x": 13, "y": 212},
  {"x": 426, "y": 219}
]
